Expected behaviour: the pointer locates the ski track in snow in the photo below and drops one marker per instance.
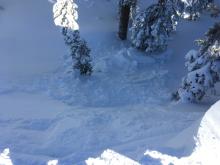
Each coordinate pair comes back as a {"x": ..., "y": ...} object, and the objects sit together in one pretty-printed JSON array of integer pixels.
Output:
[
  {"x": 74, "y": 134},
  {"x": 48, "y": 113}
]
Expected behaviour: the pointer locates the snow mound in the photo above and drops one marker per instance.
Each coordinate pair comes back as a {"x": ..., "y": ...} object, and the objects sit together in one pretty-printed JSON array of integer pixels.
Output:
[
  {"x": 5, "y": 158},
  {"x": 207, "y": 142},
  {"x": 52, "y": 162},
  {"x": 110, "y": 157}
]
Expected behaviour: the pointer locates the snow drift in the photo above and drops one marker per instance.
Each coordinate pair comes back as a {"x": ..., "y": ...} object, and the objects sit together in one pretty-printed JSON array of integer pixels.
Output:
[
  {"x": 207, "y": 142},
  {"x": 5, "y": 158},
  {"x": 206, "y": 151},
  {"x": 110, "y": 157}
]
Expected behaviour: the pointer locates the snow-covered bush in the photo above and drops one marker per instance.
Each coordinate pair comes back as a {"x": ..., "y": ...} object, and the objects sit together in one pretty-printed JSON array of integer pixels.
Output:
[
  {"x": 203, "y": 67},
  {"x": 65, "y": 15},
  {"x": 191, "y": 9},
  {"x": 151, "y": 28}
]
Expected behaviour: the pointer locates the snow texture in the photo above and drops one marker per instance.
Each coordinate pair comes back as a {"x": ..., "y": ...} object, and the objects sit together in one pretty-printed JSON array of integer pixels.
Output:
[
  {"x": 207, "y": 142},
  {"x": 110, "y": 157},
  {"x": 48, "y": 115},
  {"x": 65, "y": 14}
]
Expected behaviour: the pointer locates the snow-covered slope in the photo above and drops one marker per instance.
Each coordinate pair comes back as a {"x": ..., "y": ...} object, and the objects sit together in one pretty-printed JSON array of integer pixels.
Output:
[
  {"x": 48, "y": 114},
  {"x": 36, "y": 129},
  {"x": 207, "y": 141},
  {"x": 206, "y": 136},
  {"x": 29, "y": 45}
]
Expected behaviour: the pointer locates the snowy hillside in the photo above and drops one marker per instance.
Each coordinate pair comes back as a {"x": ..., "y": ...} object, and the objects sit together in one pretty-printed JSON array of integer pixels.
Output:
[{"x": 48, "y": 115}]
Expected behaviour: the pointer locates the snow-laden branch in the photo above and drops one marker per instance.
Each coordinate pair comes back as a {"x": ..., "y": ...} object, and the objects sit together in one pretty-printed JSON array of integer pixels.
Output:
[{"x": 65, "y": 14}]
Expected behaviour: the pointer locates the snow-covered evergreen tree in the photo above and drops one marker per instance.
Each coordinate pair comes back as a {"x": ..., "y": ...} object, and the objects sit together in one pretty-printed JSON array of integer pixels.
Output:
[
  {"x": 65, "y": 15},
  {"x": 151, "y": 28},
  {"x": 191, "y": 9},
  {"x": 213, "y": 9},
  {"x": 203, "y": 67},
  {"x": 79, "y": 51}
]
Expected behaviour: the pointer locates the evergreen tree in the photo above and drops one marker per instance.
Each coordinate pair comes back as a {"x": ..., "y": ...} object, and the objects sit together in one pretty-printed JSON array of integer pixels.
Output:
[
  {"x": 151, "y": 28},
  {"x": 191, "y": 9},
  {"x": 65, "y": 15},
  {"x": 214, "y": 10},
  {"x": 203, "y": 67},
  {"x": 79, "y": 51}
]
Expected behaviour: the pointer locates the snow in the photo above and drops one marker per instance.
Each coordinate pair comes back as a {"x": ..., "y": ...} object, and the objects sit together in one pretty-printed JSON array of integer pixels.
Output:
[
  {"x": 207, "y": 142},
  {"x": 66, "y": 9},
  {"x": 110, "y": 157},
  {"x": 53, "y": 162},
  {"x": 4, "y": 157},
  {"x": 53, "y": 129},
  {"x": 40, "y": 50},
  {"x": 206, "y": 137},
  {"x": 48, "y": 116}
]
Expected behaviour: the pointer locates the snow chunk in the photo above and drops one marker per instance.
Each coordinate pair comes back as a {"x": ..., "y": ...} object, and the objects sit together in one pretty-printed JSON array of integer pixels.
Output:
[
  {"x": 52, "y": 162},
  {"x": 5, "y": 158},
  {"x": 110, "y": 157}
]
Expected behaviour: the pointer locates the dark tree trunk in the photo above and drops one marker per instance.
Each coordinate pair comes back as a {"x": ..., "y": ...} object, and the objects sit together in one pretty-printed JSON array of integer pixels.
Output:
[
  {"x": 162, "y": 2},
  {"x": 124, "y": 20}
]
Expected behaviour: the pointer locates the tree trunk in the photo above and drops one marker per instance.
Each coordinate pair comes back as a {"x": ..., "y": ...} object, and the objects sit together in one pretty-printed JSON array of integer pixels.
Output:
[
  {"x": 162, "y": 2},
  {"x": 124, "y": 20}
]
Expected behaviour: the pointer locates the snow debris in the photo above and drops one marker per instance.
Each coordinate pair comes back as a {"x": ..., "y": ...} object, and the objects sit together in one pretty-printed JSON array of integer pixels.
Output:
[{"x": 110, "y": 157}]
